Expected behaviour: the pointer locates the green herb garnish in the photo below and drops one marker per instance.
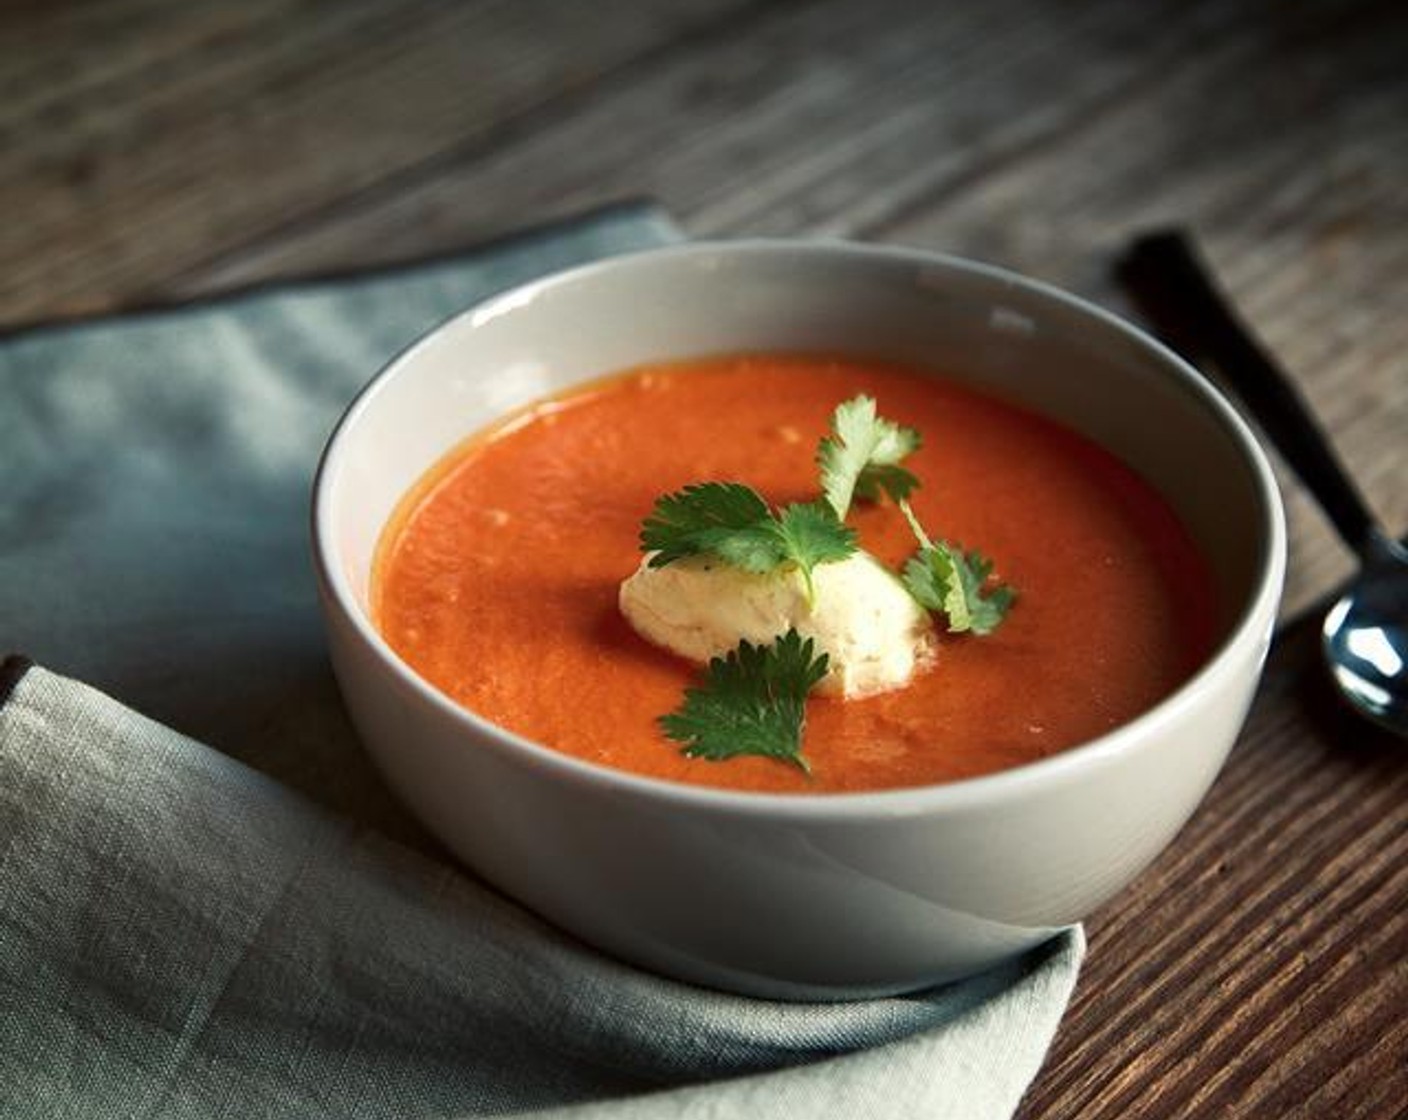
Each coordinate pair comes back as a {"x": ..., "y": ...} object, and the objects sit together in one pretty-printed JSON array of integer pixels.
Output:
[
  {"x": 730, "y": 521},
  {"x": 752, "y": 701},
  {"x": 942, "y": 577},
  {"x": 861, "y": 457}
]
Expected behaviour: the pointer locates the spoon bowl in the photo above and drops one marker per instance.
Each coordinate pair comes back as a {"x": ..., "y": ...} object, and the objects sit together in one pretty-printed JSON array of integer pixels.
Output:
[{"x": 1365, "y": 636}]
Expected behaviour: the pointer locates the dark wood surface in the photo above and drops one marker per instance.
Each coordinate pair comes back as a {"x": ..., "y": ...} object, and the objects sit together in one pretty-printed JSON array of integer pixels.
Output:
[{"x": 152, "y": 151}]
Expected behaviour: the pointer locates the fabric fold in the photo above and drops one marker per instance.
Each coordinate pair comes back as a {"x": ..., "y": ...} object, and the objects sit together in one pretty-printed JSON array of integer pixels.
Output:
[{"x": 181, "y": 936}]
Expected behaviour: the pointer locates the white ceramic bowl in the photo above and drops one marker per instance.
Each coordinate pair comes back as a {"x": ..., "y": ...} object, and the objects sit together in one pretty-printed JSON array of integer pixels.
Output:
[{"x": 825, "y": 896}]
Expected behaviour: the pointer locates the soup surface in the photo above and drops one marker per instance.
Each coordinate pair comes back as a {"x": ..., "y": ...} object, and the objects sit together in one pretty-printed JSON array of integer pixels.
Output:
[{"x": 497, "y": 579}]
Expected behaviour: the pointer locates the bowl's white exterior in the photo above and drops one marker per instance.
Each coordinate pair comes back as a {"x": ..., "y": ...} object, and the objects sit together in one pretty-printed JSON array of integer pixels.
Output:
[{"x": 825, "y": 896}]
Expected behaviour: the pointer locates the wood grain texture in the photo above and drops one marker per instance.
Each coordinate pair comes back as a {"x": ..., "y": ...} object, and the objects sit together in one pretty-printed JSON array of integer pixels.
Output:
[
  {"x": 136, "y": 147},
  {"x": 155, "y": 151}
]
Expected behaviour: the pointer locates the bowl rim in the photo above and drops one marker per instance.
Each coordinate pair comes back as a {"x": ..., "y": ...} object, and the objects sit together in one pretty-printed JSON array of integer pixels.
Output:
[{"x": 1253, "y": 622}]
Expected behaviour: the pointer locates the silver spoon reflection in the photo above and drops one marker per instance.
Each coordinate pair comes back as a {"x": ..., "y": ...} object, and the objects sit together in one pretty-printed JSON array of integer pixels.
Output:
[{"x": 1365, "y": 636}]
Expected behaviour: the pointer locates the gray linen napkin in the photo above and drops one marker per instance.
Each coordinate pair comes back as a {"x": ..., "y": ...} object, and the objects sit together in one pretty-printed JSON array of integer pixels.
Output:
[
  {"x": 181, "y": 935},
  {"x": 154, "y": 487}
]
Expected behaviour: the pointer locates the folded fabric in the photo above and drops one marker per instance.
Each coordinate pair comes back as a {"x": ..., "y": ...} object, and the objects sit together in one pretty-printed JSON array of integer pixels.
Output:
[{"x": 182, "y": 937}]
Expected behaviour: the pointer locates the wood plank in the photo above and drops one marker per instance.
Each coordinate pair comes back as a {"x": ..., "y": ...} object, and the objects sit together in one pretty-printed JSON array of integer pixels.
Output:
[
  {"x": 786, "y": 126},
  {"x": 1260, "y": 967},
  {"x": 58, "y": 54},
  {"x": 213, "y": 124}
]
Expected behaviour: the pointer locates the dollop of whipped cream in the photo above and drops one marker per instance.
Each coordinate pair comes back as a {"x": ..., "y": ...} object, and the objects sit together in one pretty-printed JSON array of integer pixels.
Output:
[{"x": 874, "y": 633}]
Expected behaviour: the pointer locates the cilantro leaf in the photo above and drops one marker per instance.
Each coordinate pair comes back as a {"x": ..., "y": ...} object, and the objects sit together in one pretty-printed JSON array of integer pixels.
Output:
[
  {"x": 726, "y": 519},
  {"x": 942, "y": 577},
  {"x": 730, "y": 521},
  {"x": 752, "y": 701},
  {"x": 812, "y": 535},
  {"x": 886, "y": 478},
  {"x": 861, "y": 456}
]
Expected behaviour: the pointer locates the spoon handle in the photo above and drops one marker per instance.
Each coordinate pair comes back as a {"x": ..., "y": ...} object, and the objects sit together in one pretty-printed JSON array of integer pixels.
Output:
[{"x": 1164, "y": 273}]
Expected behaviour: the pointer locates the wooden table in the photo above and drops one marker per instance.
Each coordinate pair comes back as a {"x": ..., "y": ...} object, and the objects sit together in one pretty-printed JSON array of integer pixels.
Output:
[{"x": 152, "y": 151}]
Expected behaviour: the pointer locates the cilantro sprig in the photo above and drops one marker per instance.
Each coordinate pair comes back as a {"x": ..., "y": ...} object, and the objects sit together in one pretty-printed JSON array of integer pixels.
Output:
[
  {"x": 945, "y": 579},
  {"x": 732, "y": 522},
  {"x": 752, "y": 701},
  {"x": 861, "y": 457}
]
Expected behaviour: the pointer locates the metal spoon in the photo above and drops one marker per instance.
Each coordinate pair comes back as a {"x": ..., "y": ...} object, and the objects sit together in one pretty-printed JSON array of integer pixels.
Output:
[{"x": 1365, "y": 635}]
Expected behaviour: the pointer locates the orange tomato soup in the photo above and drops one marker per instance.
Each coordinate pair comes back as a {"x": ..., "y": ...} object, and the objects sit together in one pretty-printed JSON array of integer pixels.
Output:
[{"x": 497, "y": 579}]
